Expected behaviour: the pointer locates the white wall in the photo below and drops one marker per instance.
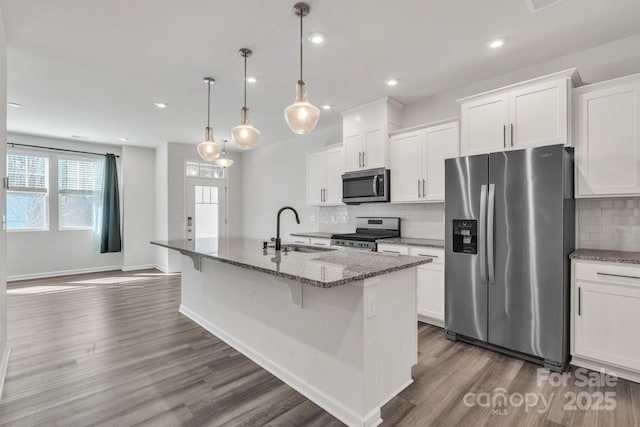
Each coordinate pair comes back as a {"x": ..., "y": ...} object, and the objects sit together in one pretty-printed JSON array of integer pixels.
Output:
[
  {"x": 4, "y": 347},
  {"x": 138, "y": 207},
  {"x": 57, "y": 252},
  {"x": 274, "y": 175},
  {"x": 170, "y": 198}
]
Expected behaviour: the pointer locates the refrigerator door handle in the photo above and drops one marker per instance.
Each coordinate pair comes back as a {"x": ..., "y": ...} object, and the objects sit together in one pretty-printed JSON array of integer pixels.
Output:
[
  {"x": 490, "y": 233},
  {"x": 483, "y": 235}
]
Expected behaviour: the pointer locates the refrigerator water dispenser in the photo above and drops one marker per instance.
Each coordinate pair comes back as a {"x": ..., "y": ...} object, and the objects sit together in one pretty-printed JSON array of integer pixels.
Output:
[{"x": 465, "y": 236}]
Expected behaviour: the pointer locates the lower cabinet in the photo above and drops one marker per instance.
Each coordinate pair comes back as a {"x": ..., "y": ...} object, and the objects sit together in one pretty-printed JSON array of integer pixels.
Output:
[
  {"x": 606, "y": 313},
  {"x": 311, "y": 241},
  {"x": 430, "y": 280}
]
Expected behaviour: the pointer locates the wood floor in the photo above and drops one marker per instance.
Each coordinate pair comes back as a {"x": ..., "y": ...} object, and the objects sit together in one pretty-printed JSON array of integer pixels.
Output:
[{"x": 111, "y": 349}]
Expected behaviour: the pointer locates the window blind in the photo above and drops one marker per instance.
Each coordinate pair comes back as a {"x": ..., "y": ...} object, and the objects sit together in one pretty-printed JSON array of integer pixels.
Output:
[
  {"x": 27, "y": 173},
  {"x": 78, "y": 176}
]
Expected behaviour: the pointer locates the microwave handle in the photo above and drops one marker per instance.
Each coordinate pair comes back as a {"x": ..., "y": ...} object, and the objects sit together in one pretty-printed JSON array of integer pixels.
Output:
[{"x": 375, "y": 185}]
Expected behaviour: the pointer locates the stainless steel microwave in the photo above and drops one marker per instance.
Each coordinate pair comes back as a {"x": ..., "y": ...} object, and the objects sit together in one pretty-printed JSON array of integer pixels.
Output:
[{"x": 366, "y": 186}]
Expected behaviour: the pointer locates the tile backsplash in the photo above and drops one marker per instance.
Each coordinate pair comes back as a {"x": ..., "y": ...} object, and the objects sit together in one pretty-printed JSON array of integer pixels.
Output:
[
  {"x": 608, "y": 224},
  {"x": 423, "y": 220}
]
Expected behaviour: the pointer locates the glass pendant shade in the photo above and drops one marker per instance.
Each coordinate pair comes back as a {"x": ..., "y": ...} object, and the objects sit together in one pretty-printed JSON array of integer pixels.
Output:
[
  {"x": 209, "y": 150},
  {"x": 223, "y": 161},
  {"x": 301, "y": 116},
  {"x": 245, "y": 135}
]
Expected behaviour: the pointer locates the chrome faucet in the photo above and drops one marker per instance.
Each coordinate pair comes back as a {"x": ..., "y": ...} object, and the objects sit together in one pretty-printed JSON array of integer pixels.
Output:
[{"x": 278, "y": 242}]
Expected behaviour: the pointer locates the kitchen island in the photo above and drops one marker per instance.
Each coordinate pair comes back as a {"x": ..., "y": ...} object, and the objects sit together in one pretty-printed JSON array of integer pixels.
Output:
[{"x": 337, "y": 325}]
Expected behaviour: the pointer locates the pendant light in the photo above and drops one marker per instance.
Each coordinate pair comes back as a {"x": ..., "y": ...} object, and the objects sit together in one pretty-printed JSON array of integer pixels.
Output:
[
  {"x": 223, "y": 161},
  {"x": 245, "y": 135},
  {"x": 209, "y": 150},
  {"x": 301, "y": 116}
]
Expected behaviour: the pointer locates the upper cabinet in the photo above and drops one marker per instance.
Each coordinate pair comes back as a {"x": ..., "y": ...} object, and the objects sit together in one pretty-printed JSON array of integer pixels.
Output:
[
  {"x": 366, "y": 133},
  {"x": 608, "y": 138},
  {"x": 324, "y": 176},
  {"x": 416, "y": 160},
  {"x": 529, "y": 114}
]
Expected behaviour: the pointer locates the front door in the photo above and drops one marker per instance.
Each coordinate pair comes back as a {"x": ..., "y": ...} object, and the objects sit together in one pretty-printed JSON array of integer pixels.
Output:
[{"x": 206, "y": 208}]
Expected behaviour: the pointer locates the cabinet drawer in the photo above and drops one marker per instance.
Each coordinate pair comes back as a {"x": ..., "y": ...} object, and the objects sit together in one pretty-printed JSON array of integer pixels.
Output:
[
  {"x": 320, "y": 242},
  {"x": 602, "y": 272},
  {"x": 393, "y": 249},
  {"x": 435, "y": 253},
  {"x": 300, "y": 240}
]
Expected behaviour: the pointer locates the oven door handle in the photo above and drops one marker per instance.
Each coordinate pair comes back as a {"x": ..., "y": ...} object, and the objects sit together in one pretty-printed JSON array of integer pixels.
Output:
[{"x": 375, "y": 185}]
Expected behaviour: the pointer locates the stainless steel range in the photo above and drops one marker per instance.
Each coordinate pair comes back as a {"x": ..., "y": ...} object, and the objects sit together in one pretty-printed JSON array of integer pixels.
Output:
[{"x": 368, "y": 230}]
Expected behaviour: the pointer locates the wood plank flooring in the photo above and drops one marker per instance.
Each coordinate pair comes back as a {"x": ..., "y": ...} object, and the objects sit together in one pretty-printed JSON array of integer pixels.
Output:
[{"x": 111, "y": 349}]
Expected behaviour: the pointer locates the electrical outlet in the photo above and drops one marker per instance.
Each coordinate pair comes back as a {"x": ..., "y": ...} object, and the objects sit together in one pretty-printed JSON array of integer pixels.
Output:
[{"x": 371, "y": 306}]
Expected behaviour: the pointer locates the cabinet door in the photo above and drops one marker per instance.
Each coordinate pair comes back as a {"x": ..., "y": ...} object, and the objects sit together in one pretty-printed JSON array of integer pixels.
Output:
[
  {"x": 353, "y": 149},
  {"x": 405, "y": 161},
  {"x": 538, "y": 115},
  {"x": 484, "y": 125},
  {"x": 431, "y": 294},
  {"x": 375, "y": 148},
  {"x": 316, "y": 177},
  {"x": 608, "y": 142},
  {"x": 317, "y": 241},
  {"x": 335, "y": 169},
  {"x": 441, "y": 142},
  {"x": 605, "y": 318}
]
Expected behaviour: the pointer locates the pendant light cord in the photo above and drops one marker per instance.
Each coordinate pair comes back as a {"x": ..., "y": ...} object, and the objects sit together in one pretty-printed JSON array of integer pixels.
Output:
[
  {"x": 208, "y": 104},
  {"x": 301, "y": 17},
  {"x": 245, "y": 80}
]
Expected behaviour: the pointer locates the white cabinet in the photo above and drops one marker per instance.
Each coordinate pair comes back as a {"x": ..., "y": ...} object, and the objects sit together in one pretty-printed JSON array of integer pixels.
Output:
[
  {"x": 529, "y": 114},
  {"x": 608, "y": 138},
  {"x": 324, "y": 176},
  {"x": 430, "y": 280},
  {"x": 366, "y": 133},
  {"x": 311, "y": 241},
  {"x": 606, "y": 309},
  {"x": 416, "y": 160}
]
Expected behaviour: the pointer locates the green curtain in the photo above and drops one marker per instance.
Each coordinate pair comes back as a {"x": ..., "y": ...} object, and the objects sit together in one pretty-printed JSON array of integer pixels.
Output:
[{"x": 110, "y": 240}]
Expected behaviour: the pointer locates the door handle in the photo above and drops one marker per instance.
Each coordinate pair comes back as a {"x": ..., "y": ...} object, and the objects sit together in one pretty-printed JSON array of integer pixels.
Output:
[
  {"x": 490, "y": 233},
  {"x": 483, "y": 235},
  {"x": 419, "y": 189},
  {"x": 424, "y": 192},
  {"x": 375, "y": 185},
  {"x": 504, "y": 136},
  {"x": 511, "y": 135}
]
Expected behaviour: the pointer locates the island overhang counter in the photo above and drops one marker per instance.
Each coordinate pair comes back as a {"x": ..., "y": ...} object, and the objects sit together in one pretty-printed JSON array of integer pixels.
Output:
[{"x": 339, "y": 326}]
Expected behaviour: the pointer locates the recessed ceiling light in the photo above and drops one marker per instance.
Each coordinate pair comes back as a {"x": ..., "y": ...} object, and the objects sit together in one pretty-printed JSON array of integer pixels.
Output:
[
  {"x": 252, "y": 79},
  {"x": 392, "y": 82},
  {"x": 160, "y": 104},
  {"x": 326, "y": 107},
  {"x": 317, "y": 37},
  {"x": 80, "y": 137},
  {"x": 123, "y": 139},
  {"x": 496, "y": 43},
  {"x": 14, "y": 105}
]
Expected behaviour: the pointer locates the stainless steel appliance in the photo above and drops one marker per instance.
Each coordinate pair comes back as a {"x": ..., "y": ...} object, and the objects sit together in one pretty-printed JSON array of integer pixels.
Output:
[
  {"x": 509, "y": 231},
  {"x": 366, "y": 186},
  {"x": 368, "y": 230}
]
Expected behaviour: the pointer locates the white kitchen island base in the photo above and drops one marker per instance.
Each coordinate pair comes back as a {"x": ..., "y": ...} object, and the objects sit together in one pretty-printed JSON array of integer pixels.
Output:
[{"x": 348, "y": 348}]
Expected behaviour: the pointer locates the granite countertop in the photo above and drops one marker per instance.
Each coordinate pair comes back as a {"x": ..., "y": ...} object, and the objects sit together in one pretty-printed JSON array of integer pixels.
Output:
[
  {"x": 324, "y": 269},
  {"x": 603, "y": 255},
  {"x": 314, "y": 234},
  {"x": 410, "y": 241}
]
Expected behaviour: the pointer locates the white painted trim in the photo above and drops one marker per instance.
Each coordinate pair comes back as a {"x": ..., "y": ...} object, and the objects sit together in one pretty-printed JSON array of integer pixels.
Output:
[
  {"x": 426, "y": 125},
  {"x": 620, "y": 81},
  {"x": 137, "y": 267},
  {"x": 395, "y": 393},
  {"x": 321, "y": 399},
  {"x": 167, "y": 270},
  {"x": 616, "y": 371},
  {"x": 4, "y": 364},
  {"x": 389, "y": 101},
  {"x": 430, "y": 320},
  {"x": 18, "y": 277}
]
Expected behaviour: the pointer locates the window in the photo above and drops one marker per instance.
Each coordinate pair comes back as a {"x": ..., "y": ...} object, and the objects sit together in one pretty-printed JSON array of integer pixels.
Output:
[
  {"x": 28, "y": 194},
  {"x": 79, "y": 189},
  {"x": 204, "y": 170}
]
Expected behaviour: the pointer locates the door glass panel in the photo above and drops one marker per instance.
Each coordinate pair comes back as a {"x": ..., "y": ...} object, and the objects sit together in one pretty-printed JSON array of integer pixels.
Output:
[{"x": 206, "y": 212}]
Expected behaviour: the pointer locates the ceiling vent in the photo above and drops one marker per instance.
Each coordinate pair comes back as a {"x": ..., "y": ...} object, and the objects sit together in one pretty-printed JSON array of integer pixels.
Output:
[{"x": 536, "y": 5}]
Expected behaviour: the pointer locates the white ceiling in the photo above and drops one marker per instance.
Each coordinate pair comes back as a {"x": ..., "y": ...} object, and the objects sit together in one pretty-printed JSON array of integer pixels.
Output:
[{"x": 95, "y": 67}]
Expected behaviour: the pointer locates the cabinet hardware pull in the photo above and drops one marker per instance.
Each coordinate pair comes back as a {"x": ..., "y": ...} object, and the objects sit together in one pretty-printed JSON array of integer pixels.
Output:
[
  {"x": 430, "y": 256},
  {"x": 391, "y": 252},
  {"x": 511, "y": 135},
  {"x": 618, "y": 275},
  {"x": 419, "y": 189},
  {"x": 504, "y": 136},
  {"x": 360, "y": 163},
  {"x": 579, "y": 301},
  {"x": 424, "y": 192},
  {"x": 364, "y": 161}
]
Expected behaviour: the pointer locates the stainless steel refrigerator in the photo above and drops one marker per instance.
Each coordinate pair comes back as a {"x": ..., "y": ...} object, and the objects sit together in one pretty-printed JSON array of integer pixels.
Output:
[{"x": 509, "y": 231}]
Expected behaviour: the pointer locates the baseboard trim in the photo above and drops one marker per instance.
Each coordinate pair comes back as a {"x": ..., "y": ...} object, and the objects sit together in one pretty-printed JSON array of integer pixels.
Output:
[
  {"x": 320, "y": 398},
  {"x": 430, "y": 320},
  {"x": 4, "y": 364},
  {"x": 610, "y": 369},
  {"x": 138, "y": 267},
  {"x": 46, "y": 274}
]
